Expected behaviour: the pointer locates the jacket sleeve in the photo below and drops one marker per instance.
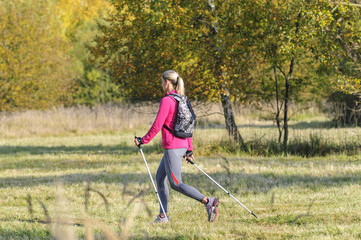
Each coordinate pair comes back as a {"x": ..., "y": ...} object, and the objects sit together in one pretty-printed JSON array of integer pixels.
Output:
[
  {"x": 190, "y": 144},
  {"x": 158, "y": 122}
]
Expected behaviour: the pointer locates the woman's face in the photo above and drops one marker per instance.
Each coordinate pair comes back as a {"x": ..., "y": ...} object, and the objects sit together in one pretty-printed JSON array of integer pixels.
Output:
[{"x": 164, "y": 84}]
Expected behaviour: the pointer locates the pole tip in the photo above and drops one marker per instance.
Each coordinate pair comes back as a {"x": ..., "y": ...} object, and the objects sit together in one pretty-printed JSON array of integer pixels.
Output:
[{"x": 254, "y": 214}]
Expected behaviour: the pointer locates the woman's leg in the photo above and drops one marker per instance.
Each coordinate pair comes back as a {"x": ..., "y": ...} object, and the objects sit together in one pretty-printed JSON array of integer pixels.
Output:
[
  {"x": 173, "y": 165},
  {"x": 163, "y": 190}
]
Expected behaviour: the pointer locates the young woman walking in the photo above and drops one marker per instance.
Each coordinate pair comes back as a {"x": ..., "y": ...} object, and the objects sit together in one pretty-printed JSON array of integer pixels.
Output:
[{"x": 174, "y": 149}]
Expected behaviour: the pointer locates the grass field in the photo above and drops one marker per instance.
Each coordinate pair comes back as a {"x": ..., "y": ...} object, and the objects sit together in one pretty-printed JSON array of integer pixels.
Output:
[{"x": 77, "y": 183}]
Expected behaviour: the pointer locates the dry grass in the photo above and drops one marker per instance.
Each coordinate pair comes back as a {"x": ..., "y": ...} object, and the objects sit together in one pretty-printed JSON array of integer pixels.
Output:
[
  {"x": 309, "y": 132},
  {"x": 129, "y": 117},
  {"x": 76, "y": 120}
]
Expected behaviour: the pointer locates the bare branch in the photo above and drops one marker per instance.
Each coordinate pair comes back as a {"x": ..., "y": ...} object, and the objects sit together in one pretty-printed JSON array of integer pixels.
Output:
[
  {"x": 140, "y": 194},
  {"x": 308, "y": 212},
  {"x": 30, "y": 205},
  {"x": 46, "y": 213}
]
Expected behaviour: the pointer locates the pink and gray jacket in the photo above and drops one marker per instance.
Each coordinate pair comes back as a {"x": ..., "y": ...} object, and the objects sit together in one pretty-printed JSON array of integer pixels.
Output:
[{"x": 167, "y": 115}]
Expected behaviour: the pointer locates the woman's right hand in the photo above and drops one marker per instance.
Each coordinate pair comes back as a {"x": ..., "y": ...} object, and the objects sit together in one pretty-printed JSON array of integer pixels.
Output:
[{"x": 137, "y": 141}]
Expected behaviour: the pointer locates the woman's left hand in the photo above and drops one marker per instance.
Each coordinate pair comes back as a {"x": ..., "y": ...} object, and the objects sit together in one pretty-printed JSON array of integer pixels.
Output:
[{"x": 188, "y": 155}]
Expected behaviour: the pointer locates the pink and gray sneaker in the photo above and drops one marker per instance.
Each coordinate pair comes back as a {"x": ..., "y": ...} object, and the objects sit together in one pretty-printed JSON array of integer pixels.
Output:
[
  {"x": 160, "y": 219},
  {"x": 211, "y": 208}
]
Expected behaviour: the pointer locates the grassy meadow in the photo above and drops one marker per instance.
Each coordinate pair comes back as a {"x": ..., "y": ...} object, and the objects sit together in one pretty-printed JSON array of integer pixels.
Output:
[{"x": 74, "y": 173}]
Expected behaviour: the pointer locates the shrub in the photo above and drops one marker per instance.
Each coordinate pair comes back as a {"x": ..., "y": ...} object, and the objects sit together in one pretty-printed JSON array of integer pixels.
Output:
[{"x": 346, "y": 108}]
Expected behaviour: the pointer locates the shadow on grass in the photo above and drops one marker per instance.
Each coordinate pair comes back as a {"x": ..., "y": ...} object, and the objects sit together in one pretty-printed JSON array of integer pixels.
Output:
[
  {"x": 235, "y": 183},
  {"x": 299, "y": 125},
  {"x": 45, "y": 234},
  {"x": 58, "y": 164},
  {"x": 25, "y": 234},
  {"x": 84, "y": 149},
  {"x": 312, "y": 125}
]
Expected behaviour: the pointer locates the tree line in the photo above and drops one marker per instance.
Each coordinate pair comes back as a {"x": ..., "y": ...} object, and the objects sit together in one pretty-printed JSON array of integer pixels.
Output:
[{"x": 54, "y": 53}]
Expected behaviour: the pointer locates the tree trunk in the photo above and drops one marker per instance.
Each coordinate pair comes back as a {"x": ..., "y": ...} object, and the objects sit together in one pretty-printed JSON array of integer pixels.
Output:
[
  {"x": 287, "y": 95},
  {"x": 285, "y": 120},
  {"x": 278, "y": 106},
  {"x": 229, "y": 119},
  {"x": 287, "y": 92},
  {"x": 225, "y": 99}
]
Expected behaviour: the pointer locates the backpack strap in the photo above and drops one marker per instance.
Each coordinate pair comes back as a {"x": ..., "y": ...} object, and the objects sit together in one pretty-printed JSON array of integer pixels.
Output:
[
  {"x": 191, "y": 109},
  {"x": 170, "y": 130},
  {"x": 176, "y": 98}
]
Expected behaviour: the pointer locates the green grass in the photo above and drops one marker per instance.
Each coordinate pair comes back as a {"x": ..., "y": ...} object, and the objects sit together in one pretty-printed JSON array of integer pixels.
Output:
[{"x": 294, "y": 197}]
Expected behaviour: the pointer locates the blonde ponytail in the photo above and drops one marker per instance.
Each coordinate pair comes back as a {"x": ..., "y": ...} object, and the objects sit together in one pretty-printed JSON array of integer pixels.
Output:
[
  {"x": 175, "y": 79},
  {"x": 180, "y": 86}
]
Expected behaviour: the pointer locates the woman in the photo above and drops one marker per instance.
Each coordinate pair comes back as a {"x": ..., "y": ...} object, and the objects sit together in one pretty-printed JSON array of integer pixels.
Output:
[{"x": 174, "y": 149}]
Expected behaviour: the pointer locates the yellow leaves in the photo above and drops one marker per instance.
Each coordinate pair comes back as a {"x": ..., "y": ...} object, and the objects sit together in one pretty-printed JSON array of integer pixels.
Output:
[
  {"x": 348, "y": 84},
  {"x": 75, "y": 12},
  {"x": 35, "y": 65}
]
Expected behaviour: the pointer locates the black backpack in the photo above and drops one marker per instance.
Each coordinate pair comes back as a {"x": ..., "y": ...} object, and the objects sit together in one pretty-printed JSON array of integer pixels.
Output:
[{"x": 186, "y": 118}]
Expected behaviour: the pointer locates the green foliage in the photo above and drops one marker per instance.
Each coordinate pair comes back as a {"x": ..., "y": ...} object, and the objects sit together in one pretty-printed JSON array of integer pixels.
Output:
[
  {"x": 234, "y": 46},
  {"x": 214, "y": 45},
  {"x": 145, "y": 38},
  {"x": 95, "y": 88},
  {"x": 340, "y": 37}
]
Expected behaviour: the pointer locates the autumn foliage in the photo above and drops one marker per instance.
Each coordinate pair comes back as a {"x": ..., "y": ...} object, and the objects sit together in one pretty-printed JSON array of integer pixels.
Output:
[{"x": 244, "y": 48}]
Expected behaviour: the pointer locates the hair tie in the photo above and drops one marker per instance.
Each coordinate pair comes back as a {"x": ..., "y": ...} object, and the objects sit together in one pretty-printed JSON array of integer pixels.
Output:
[{"x": 176, "y": 83}]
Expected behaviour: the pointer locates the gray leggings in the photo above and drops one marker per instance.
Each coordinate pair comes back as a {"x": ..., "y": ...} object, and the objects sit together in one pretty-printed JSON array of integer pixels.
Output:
[{"x": 170, "y": 167}]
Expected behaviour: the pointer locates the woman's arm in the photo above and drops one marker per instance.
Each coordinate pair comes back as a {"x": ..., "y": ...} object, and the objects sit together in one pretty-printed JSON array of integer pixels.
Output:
[
  {"x": 190, "y": 144},
  {"x": 158, "y": 122}
]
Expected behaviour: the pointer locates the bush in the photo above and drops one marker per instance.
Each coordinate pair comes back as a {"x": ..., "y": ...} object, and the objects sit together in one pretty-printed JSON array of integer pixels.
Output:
[
  {"x": 346, "y": 108},
  {"x": 315, "y": 145}
]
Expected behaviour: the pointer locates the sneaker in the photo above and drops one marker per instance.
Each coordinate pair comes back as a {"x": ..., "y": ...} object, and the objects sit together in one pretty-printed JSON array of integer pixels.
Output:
[
  {"x": 211, "y": 208},
  {"x": 160, "y": 219}
]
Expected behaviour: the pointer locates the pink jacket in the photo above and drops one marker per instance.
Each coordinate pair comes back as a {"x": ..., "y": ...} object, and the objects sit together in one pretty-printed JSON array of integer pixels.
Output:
[{"x": 167, "y": 115}]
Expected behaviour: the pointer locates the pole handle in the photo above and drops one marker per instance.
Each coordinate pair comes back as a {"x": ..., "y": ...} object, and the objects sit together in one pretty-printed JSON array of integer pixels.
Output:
[
  {"x": 139, "y": 146},
  {"x": 190, "y": 161}
]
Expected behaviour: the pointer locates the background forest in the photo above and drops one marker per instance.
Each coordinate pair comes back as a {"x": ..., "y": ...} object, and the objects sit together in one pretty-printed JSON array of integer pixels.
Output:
[
  {"x": 92, "y": 51},
  {"x": 66, "y": 53}
]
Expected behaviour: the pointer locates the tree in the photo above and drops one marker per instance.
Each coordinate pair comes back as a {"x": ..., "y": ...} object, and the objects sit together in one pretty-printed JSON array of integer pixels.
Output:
[
  {"x": 342, "y": 37},
  {"x": 79, "y": 25},
  {"x": 342, "y": 58},
  {"x": 228, "y": 48},
  {"x": 292, "y": 38},
  {"x": 34, "y": 66},
  {"x": 144, "y": 38}
]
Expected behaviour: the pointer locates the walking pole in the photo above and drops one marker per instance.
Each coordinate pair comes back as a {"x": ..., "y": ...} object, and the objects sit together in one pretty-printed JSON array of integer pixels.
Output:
[
  {"x": 151, "y": 178},
  {"x": 191, "y": 162}
]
